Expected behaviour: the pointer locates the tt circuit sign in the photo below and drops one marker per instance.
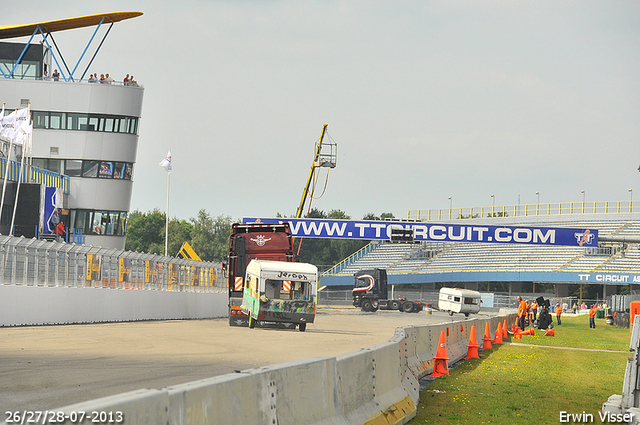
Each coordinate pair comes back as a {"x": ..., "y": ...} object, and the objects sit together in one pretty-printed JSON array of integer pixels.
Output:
[{"x": 381, "y": 230}]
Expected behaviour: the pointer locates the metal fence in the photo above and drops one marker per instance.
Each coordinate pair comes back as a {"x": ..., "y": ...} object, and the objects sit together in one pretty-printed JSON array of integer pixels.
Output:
[
  {"x": 42, "y": 263},
  {"x": 523, "y": 210}
]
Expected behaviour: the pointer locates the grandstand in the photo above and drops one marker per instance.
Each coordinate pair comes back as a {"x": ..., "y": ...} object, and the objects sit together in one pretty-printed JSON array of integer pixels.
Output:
[{"x": 615, "y": 262}]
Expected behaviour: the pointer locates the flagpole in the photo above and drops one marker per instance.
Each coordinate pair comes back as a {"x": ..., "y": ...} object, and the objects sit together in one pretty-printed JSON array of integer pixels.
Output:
[
  {"x": 166, "y": 164},
  {"x": 166, "y": 230}
]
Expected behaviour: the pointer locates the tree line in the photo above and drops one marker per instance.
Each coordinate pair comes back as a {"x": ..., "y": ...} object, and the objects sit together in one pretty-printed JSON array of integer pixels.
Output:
[{"x": 209, "y": 236}]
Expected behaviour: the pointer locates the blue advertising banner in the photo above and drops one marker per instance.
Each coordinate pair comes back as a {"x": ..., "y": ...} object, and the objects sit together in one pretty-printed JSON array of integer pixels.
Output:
[
  {"x": 52, "y": 201},
  {"x": 381, "y": 230}
]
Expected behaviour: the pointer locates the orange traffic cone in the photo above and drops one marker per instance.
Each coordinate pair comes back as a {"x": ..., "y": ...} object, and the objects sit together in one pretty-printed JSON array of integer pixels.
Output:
[
  {"x": 472, "y": 352},
  {"x": 518, "y": 336},
  {"x": 487, "y": 338},
  {"x": 498, "y": 338},
  {"x": 441, "y": 366},
  {"x": 550, "y": 332},
  {"x": 505, "y": 335},
  {"x": 528, "y": 332}
]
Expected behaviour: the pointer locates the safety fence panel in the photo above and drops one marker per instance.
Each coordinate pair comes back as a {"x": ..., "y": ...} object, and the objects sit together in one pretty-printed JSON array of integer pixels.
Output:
[{"x": 35, "y": 262}]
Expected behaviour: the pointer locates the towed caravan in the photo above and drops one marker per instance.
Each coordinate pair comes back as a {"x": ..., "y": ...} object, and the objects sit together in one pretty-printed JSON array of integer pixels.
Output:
[
  {"x": 281, "y": 292},
  {"x": 456, "y": 300}
]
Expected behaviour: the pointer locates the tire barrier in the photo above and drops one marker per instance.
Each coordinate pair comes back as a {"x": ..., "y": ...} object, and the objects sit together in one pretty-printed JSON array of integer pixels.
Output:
[{"x": 374, "y": 385}]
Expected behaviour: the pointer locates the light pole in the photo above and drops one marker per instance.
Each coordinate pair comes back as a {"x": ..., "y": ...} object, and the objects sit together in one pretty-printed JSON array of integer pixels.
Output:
[
  {"x": 537, "y": 202},
  {"x": 451, "y": 201},
  {"x": 493, "y": 208},
  {"x": 583, "y": 195},
  {"x": 538, "y": 195},
  {"x": 630, "y": 199}
]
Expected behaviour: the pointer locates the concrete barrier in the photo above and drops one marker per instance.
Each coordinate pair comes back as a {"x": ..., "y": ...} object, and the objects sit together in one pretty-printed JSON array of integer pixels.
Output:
[
  {"x": 628, "y": 403},
  {"x": 374, "y": 385},
  {"x": 22, "y": 305},
  {"x": 301, "y": 392}
]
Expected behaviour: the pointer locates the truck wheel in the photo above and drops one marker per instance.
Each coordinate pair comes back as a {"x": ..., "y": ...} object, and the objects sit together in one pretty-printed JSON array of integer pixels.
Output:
[
  {"x": 395, "y": 305},
  {"x": 407, "y": 306},
  {"x": 366, "y": 305},
  {"x": 450, "y": 313},
  {"x": 252, "y": 322},
  {"x": 466, "y": 315},
  {"x": 417, "y": 307},
  {"x": 302, "y": 327}
]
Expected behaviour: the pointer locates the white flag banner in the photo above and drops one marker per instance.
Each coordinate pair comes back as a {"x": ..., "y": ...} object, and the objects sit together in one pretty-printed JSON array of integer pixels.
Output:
[
  {"x": 166, "y": 162},
  {"x": 13, "y": 123},
  {"x": 22, "y": 134}
]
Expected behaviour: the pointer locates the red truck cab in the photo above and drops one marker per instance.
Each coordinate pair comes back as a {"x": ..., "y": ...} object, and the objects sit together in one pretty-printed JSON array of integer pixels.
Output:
[{"x": 262, "y": 241}]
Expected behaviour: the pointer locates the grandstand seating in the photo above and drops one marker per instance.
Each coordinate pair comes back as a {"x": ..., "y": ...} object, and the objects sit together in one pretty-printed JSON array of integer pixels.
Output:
[{"x": 441, "y": 257}]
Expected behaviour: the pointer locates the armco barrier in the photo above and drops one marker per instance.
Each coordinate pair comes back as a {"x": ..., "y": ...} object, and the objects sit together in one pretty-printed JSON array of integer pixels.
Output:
[{"x": 374, "y": 385}]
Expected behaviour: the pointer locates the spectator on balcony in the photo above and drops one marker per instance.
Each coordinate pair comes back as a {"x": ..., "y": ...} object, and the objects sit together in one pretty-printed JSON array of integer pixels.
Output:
[
  {"x": 46, "y": 76},
  {"x": 126, "y": 80},
  {"x": 93, "y": 78},
  {"x": 56, "y": 75}
]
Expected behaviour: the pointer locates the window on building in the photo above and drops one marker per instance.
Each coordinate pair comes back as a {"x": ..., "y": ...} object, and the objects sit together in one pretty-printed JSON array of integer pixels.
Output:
[
  {"x": 73, "y": 167},
  {"x": 81, "y": 220},
  {"x": 90, "y": 168},
  {"x": 40, "y": 119},
  {"x": 100, "y": 222},
  {"x": 57, "y": 120},
  {"x": 106, "y": 169}
]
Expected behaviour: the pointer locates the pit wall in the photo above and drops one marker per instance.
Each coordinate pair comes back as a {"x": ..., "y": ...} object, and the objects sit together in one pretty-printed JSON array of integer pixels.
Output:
[
  {"x": 22, "y": 305},
  {"x": 374, "y": 385}
]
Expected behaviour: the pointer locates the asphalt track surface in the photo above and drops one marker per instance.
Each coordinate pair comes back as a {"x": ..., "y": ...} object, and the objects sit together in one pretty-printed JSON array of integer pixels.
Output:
[{"x": 46, "y": 367}]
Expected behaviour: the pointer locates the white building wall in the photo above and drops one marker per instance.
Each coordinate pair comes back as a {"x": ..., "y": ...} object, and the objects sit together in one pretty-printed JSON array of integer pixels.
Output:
[{"x": 93, "y": 98}]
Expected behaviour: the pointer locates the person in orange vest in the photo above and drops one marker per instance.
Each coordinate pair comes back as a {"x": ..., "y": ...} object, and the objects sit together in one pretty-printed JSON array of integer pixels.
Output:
[
  {"x": 522, "y": 311},
  {"x": 558, "y": 313},
  {"x": 534, "y": 310},
  {"x": 592, "y": 317},
  {"x": 60, "y": 232}
]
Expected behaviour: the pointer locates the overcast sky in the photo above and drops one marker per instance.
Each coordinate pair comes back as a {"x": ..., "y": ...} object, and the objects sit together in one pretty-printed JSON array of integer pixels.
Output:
[{"x": 426, "y": 100}]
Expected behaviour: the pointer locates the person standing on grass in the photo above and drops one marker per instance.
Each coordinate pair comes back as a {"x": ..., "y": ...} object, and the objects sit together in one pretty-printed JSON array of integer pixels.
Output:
[
  {"x": 522, "y": 312},
  {"x": 592, "y": 317},
  {"x": 534, "y": 310},
  {"x": 558, "y": 313}
]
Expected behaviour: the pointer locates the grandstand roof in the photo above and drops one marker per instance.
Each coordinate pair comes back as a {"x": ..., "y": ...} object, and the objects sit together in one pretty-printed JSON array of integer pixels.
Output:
[{"x": 26, "y": 30}]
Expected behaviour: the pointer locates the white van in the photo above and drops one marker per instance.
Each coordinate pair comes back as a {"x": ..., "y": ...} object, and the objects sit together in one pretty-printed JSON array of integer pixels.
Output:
[{"x": 456, "y": 300}]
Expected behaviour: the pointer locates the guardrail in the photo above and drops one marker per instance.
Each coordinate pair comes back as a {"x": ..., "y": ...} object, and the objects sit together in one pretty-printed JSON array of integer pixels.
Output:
[
  {"x": 525, "y": 210},
  {"x": 378, "y": 384}
]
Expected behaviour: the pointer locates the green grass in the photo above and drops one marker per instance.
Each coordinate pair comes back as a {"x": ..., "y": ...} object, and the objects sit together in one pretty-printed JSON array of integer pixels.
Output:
[{"x": 519, "y": 384}]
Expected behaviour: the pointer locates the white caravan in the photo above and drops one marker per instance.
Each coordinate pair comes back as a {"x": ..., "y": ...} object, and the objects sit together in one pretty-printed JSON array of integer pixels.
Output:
[{"x": 456, "y": 300}]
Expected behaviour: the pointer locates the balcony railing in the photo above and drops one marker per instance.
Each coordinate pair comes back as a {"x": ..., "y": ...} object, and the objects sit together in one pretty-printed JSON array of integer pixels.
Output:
[{"x": 526, "y": 210}]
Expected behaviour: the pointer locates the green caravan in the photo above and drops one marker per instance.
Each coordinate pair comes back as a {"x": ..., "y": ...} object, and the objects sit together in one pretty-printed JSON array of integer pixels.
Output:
[{"x": 280, "y": 292}]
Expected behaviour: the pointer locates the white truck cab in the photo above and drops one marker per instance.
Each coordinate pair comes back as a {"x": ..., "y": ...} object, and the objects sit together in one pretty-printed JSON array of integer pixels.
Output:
[{"x": 280, "y": 291}]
